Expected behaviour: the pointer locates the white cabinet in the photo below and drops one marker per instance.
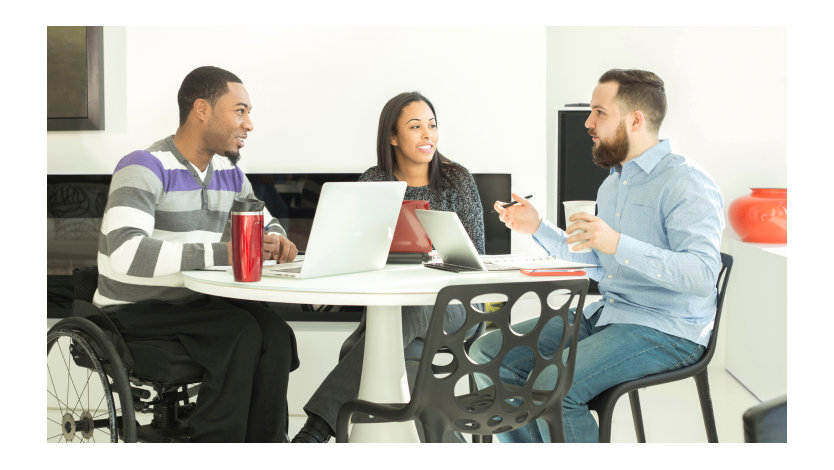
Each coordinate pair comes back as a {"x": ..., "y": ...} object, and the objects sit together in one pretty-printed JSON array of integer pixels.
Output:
[{"x": 755, "y": 318}]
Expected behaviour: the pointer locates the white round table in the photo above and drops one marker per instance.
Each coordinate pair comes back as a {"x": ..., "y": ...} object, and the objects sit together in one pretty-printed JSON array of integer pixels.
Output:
[{"x": 383, "y": 292}]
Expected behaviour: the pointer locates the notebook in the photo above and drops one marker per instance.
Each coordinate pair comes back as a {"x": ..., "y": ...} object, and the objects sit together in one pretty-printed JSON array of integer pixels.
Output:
[
  {"x": 352, "y": 230},
  {"x": 457, "y": 252}
]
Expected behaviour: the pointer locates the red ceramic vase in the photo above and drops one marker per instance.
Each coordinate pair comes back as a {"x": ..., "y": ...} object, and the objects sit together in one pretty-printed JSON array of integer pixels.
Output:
[{"x": 762, "y": 216}]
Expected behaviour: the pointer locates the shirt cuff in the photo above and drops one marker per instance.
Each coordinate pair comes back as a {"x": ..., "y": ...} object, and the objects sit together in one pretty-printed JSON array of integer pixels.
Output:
[
  {"x": 221, "y": 254},
  {"x": 548, "y": 234}
]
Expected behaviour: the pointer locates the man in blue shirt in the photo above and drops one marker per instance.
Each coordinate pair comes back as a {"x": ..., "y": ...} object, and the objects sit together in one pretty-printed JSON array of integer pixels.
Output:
[{"x": 656, "y": 241}]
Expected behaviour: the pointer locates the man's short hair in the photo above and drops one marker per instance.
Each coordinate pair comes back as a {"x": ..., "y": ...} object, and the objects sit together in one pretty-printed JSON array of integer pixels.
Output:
[
  {"x": 640, "y": 90},
  {"x": 208, "y": 83}
]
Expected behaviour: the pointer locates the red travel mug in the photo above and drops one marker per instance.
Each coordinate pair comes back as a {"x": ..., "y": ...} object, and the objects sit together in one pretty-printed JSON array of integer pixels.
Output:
[{"x": 247, "y": 239}]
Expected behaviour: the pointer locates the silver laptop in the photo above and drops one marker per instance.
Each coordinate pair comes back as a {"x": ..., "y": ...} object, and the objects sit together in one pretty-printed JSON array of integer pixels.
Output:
[
  {"x": 449, "y": 238},
  {"x": 457, "y": 252},
  {"x": 352, "y": 230}
]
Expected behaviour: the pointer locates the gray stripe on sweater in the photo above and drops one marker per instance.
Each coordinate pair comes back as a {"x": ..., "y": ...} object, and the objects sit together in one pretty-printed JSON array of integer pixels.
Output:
[
  {"x": 189, "y": 221},
  {"x": 134, "y": 198},
  {"x": 144, "y": 262}
]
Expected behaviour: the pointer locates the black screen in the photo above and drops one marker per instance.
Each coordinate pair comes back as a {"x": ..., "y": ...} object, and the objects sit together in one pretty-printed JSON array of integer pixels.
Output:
[
  {"x": 75, "y": 207},
  {"x": 578, "y": 176}
]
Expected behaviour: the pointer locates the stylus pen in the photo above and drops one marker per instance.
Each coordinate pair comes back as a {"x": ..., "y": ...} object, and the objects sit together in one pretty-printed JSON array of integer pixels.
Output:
[{"x": 515, "y": 202}]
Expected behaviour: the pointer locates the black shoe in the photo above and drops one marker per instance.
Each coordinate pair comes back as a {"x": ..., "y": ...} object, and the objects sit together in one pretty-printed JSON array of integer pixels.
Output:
[{"x": 314, "y": 431}]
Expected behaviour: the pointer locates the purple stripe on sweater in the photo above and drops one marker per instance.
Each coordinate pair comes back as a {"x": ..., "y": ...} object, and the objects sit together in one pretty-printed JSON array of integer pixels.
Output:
[
  {"x": 227, "y": 180},
  {"x": 180, "y": 180},
  {"x": 142, "y": 158}
]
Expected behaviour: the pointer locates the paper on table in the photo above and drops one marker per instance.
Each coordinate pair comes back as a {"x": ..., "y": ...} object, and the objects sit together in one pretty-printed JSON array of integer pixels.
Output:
[{"x": 533, "y": 262}]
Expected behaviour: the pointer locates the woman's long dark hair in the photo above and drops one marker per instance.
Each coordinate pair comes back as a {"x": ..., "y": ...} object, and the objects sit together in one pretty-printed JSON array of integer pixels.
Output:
[{"x": 388, "y": 126}]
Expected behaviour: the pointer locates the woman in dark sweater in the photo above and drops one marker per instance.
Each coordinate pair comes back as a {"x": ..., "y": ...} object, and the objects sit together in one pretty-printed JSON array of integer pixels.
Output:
[{"x": 406, "y": 151}]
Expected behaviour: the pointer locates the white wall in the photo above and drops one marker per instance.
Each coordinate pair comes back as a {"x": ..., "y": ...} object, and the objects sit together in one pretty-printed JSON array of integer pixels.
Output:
[
  {"x": 726, "y": 91},
  {"x": 317, "y": 93}
]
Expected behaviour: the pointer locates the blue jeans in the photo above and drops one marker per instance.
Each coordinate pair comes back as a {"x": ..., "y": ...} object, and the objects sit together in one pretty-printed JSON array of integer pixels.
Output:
[{"x": 606, "y": 356}]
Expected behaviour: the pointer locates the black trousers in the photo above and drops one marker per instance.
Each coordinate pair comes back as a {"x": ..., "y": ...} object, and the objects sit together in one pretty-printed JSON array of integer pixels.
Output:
[{"x": 247, "y": 352}]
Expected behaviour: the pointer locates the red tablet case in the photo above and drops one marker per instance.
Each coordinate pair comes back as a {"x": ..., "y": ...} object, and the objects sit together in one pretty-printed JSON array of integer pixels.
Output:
[{"x": 409, "y": 236}]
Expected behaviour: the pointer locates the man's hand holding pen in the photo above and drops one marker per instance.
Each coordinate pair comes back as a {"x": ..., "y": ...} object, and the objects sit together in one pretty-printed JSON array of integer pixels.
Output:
[{"x": 519, "y": 215}]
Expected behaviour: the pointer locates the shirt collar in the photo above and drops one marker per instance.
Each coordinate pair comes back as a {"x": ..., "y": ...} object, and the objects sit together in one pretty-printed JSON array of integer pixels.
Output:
[
  {"x": 181, "y": 158},
  {"x": 650, "y": 158}
]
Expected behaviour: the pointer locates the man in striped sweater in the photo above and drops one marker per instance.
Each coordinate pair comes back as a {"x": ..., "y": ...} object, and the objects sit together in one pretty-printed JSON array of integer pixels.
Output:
[{"x": 167, "y": 211}]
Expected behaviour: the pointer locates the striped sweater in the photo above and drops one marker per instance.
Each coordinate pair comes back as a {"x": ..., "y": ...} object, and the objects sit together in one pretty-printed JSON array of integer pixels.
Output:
[{"x": 161, "y": 219}]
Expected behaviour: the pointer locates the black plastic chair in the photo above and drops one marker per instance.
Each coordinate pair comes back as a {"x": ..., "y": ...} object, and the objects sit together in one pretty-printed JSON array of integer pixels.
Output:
[
  {"x": 604, "y": 403},
  {"x": 767, "y": 422},
  {"x": 479, "y": 330},
  {"x": 99, "y": 381},
  {"x": 499, "y": 407}
]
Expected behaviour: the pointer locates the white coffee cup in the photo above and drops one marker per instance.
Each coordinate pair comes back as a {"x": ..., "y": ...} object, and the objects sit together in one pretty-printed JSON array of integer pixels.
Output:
[{"x": 573, "y": 207}]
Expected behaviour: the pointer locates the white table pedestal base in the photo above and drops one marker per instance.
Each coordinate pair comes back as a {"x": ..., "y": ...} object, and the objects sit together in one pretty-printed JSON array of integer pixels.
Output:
[{"x": 383, "y": 376}]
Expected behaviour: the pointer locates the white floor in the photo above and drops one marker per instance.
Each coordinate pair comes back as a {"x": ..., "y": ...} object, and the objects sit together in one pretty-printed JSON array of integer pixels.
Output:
[{"x": 671, "y": 412}]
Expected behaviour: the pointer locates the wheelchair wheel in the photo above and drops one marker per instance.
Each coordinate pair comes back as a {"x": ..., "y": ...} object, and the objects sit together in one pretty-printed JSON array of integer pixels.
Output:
[{"x": 86, "y": 387}]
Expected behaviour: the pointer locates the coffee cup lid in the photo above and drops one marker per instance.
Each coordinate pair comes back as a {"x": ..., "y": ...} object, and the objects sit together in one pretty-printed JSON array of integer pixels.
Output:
[{"x": 242, "y": 204}]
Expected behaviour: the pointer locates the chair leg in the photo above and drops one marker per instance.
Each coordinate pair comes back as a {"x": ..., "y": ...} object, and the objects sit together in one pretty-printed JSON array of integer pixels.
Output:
[
  {"x": 702, "y": 383},
  {"x": 605, "y": 413},
  {"x": 637, "y": 415},
  {"x": 556, "y": 423}
]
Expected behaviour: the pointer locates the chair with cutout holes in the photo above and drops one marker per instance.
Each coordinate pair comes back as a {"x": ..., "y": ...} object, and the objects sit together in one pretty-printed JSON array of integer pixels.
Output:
[
  {"x": 499, "y": 407},
  {"x": 604, "y": 403},
  {"x": 418, "y": 346},
  {"x": 96, "y": 381}
]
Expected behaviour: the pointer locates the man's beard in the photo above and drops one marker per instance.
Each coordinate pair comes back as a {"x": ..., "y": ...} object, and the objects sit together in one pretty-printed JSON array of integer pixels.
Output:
[
  {"x": 608, "y": 155},
  {"x": 232, "y": 156}
]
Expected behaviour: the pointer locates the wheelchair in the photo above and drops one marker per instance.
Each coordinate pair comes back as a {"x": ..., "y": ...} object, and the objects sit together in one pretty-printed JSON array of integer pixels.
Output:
[{"x": 98, "y": 383}]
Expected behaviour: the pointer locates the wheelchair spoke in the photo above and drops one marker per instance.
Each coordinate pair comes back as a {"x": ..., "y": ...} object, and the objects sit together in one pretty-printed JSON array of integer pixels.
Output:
[
  {"x": 98, "y": 407},
  {"x": 106, "y": 412},
  {"x": 85, "y": 402},
  {"x": 67, "y": 363},
  {"x": 75, "y": 388},
  {"x": 66, "y": 406},
  {"x": 79, "y": 402},
  {"x": 55, "y": 394}
]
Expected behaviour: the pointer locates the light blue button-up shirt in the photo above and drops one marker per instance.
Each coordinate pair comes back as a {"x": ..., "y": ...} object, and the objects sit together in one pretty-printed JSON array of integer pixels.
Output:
[{"x": 663, "y": 275}]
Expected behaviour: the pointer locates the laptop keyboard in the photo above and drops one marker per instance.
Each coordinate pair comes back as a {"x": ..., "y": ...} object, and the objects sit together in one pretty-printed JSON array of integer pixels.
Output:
[
  {"x": 286, "y": 269},
  {"x": 449, "y": 267}
]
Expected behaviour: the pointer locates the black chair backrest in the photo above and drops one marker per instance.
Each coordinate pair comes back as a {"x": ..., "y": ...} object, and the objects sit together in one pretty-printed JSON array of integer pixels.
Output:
[
  {"x": 501, "y": 407},
  {"x": 721, "y": 285},
  {"x": 84, "y": 283}
]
